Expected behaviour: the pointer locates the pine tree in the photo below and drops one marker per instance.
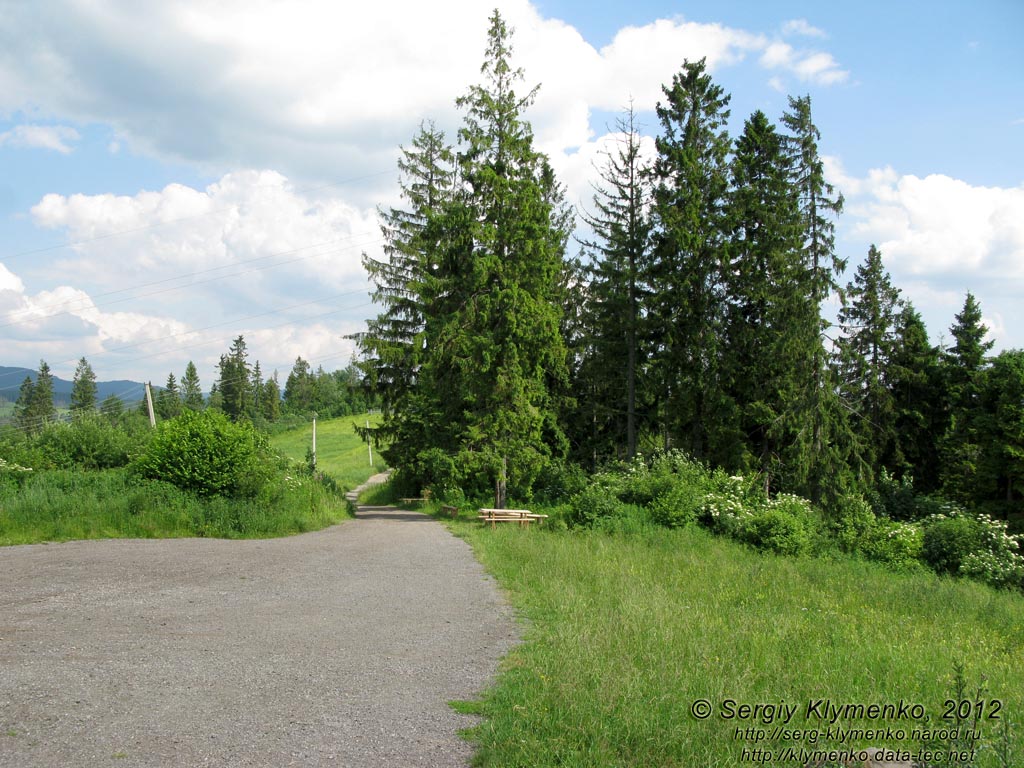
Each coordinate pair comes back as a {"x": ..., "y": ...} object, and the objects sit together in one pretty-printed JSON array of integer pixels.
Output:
[
  {"x": 256, "y": 390},
  {"x": 823, "y": 424},
  {"x": 686, "y": 307},
  {"x": 961, "y": 448},
  {"x": 191, "y": 391},
  {"x": 616, "y": 292},
  {"x": 168, "y": 401},
  {"x": 503, "y": 337},
  {"x": 867, "y": 349},
  {"x": 298, "y": 388},
  {"x": 234, "y": 382},
  {"x": 915, "y": 382},
  {"x": 83, "y": 389},
  {"x": 272, "y": 399},
  {"x": 764, "y": 357},
  {"x": 23, "y": 406}
]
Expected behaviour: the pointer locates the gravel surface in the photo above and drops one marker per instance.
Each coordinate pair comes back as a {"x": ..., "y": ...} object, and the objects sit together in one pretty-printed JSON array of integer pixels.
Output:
[{"x": 335, "y": 648}]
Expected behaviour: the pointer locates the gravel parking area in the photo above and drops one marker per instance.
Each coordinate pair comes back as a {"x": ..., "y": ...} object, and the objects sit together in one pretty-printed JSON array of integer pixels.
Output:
[{"x": 335, "y": 648}]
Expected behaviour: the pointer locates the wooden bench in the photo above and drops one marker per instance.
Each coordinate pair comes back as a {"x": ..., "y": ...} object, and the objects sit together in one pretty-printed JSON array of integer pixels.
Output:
[
  {"x": 522, "y": 516},
  {"x": 451, "y": 510},
  {"x": 411, "y": 500}
]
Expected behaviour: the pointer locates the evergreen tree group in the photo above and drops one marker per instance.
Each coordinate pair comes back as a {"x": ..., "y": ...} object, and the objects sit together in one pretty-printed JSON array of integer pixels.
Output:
[{"x": 695, "y": 318}]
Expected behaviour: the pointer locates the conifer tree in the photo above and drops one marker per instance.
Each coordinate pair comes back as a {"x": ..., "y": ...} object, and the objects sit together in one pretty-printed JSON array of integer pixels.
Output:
[
  {"x": 819, "y": 455},
  {"x": 764, "y": 355},
  {"x": 272, "y": 399},
  {"x": 168, "y": 401},
  {"x": 191, "y": 391},
  {"x": 503, "y": 336},
  {"x": 616, "y": 291},
  {"x": 961, "y": 448},
  {"x": 234, "y": 382},
  {"x": 298, "y": 388},
  {"x": 83, "y": 389},
  {"x": 866, "y": 353},
  {"x": 23, "y": 406},
  {"x": 686, "y": 306}
]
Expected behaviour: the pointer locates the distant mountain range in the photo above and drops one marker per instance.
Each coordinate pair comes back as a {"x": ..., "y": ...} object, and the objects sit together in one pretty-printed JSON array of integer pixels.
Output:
[{"x": 11, "y": 379}]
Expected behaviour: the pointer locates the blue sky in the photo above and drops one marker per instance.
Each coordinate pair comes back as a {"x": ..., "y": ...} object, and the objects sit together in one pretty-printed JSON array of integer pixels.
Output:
[{"x": 175, "y": 174}]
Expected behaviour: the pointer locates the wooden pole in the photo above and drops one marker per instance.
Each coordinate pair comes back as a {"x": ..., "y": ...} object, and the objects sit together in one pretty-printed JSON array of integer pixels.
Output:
[
  {"x": 149, "y": 406},
  {"x": 314, "y": 442}
]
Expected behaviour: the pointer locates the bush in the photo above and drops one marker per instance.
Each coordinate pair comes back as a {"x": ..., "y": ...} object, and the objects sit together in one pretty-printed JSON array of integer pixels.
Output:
[
  {"x": 678, "y": 506},
  {"x": 559, "y": 480},
  {"x": 948, "y": 540},
  {"x": 896, "y": 545},
  {"x": 784, "y": 526},
  {"x": 594, "y": 504},
  {"x": 205, "y": 453},
  {"x": 90, "y": 442},
  {"x": 852, "y": 523}
]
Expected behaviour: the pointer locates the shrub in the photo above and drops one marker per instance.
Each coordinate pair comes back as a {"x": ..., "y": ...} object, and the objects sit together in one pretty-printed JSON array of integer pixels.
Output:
[
  {"x": 999, "y": 562},
  {"x": 592, "y": 505},
  {"x": 896, "y": 545},
  {"x": 559, "y": 480},
  {"x": 678, "y": 506},
  {"x": 784, "y": 526},
  {"x": 948, "y": 540},
  {"x": 207, "y": 454},
  {"x": 852, "y": 523},
  {"x": 90, "y": 442}
]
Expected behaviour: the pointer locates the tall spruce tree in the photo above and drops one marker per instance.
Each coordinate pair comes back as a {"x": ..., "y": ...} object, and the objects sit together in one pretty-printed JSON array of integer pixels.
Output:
[
  {"x": 83, "y": 389},
  {"x": 866, "y": 352},
  {"x": 616, "y": 292},
  {"x": 191, "y": 390},
  {"x": 23, "y": 406},
  {"x": 820, "y": 453},
  {"x": 764, "y": 357},
  {"x": 234, "y": 382},
  {"x": 686, "y": 306},
  {"x": 502, "y": 337},
  {"x": 963, "y": 367},
  {"x": 168, "y": 401}
]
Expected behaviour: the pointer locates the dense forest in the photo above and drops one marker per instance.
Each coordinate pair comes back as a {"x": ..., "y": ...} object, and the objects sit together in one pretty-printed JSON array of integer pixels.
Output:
[{"x": 692, "y": 319}]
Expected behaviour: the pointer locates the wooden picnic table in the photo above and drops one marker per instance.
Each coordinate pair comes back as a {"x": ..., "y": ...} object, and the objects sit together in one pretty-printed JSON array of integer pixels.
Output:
[{"x": 522, "y": 516}]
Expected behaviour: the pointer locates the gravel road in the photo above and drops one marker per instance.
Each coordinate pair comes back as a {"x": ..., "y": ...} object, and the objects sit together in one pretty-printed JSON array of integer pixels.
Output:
[{"x": 335, "y": 648}]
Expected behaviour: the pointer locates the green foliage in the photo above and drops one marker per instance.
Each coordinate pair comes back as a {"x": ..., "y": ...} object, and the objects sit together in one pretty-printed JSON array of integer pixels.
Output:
[
  {"x": 785, "y": 526},
  {"x": 83, "y": 390},
  {"x": 91, "y": 441},
  {"x": 60, "y": 505},
  {"x": 852, "y": 523},
  {"x": 207, "y": 454},
  {"x": 677, "y": 506},
  {"x": 897, "y": 545},
  {"x": 593, "y": 505},
  {"x": 948, "y": 540}
]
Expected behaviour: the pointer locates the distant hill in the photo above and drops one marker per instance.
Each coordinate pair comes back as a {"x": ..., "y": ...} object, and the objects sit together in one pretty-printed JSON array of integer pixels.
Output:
[{"x": 11, "y": 379}]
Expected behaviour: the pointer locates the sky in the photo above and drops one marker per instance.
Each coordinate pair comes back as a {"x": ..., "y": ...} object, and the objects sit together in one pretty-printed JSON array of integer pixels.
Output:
[{"x": 175, "y": 174}]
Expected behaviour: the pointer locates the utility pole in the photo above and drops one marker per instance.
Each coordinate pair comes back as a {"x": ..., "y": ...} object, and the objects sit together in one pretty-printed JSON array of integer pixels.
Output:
[
  {"x": 314, "y": 441},
  {"x": 149, "y": 406},
  {"x": 369, "y": 442}
]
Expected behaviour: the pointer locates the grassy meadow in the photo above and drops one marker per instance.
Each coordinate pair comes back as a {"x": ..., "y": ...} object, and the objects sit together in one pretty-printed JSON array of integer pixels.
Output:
[
  {"x": 340, "y": 452},
  {"x": 623, "y": 633},
  {"x": 62, "y": 504}
]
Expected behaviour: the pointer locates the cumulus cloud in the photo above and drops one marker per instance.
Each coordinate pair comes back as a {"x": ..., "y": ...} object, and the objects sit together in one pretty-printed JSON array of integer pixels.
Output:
[
  {"x": 322, "y": 90},
  {"x": 55, "y": 137},
  {"x": 941, "y": 237},
  {"x": 802, "y": 27}
]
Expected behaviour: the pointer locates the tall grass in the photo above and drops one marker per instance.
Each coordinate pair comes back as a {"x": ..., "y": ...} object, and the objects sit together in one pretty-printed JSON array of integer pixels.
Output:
[
  {"x": 61, "y": 505},
  {"x": 624, "y": 633}
]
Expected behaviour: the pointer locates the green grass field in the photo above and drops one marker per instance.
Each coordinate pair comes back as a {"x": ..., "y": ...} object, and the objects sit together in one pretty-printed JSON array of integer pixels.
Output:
[
  {"x": 340, "y": 452},
  {"x": 623, "y": 634}
]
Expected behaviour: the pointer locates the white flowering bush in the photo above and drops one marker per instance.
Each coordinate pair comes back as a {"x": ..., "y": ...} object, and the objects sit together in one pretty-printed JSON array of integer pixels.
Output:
[
  {"x": 897, "y": 545},
  {"x": 999, "y": 562}
]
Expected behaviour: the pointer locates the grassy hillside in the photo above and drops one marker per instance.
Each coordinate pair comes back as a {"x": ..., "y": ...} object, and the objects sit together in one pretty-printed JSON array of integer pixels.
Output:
[
  {"x": 625, "y": 633},
  {"x": 340, "y": 452}
]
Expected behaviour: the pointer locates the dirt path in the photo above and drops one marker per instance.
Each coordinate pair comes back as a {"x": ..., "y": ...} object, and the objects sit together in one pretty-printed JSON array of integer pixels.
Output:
[{"x": 336, "y": 648}]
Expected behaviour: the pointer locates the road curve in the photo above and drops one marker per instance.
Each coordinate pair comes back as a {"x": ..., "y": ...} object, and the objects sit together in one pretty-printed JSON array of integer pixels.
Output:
[{"x": 335, "y": 648}]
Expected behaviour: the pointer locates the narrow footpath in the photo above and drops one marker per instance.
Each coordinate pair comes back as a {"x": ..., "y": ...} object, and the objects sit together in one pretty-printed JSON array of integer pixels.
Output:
[{"x": 335, "y": 648}]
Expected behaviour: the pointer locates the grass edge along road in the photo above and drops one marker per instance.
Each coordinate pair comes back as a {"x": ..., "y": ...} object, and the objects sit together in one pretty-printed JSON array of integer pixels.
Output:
[
  {"x": 624, "y": 633},
  {"x": 54, "y": 505}
]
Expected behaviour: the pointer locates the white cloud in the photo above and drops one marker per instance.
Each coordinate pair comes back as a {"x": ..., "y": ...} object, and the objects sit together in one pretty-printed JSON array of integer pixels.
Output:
[
  {"x": 325, "y": 90},
  {"x": 54, "y": 137},
  {"x": 802, "y": 27}
]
